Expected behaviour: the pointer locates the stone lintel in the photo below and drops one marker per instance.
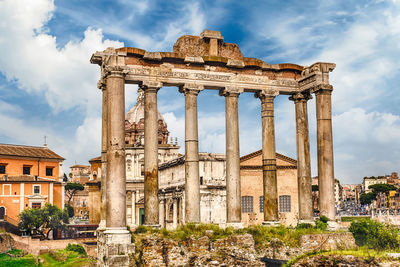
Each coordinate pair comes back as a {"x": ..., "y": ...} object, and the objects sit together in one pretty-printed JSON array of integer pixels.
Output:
[
  {"x": 198, "y": 60},
  {"x": 235, "y": 63},
  {"x": 152, "y": 56},
  {"x": 208, "y": 34}
]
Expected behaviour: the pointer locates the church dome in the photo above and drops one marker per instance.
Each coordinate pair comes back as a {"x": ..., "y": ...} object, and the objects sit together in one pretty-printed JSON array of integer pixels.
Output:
[
  {"x": 135, "y": 114},
  {"x": 134, "y": 124}
]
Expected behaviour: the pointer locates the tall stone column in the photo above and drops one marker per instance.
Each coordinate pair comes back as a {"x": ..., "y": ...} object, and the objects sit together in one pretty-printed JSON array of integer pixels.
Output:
[
  {"x": 133, "y": 218},
  {"x": 162, "y": 212},
  {"x": 303, "y": 158},
  {"x": 151, "y": 212},
  {"x": 116, "y": 180},
  {"x": 104, "y": 142},
  {"x": 271, "y": 215},
  {"x": 326, "y": 181},
  {"x": 233, "y": 195},
  {"x": 192, "y": 185},
  {"x": 175, "y": 214}
]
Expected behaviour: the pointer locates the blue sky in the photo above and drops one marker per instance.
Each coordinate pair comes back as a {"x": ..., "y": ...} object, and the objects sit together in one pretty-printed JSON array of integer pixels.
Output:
[{"x": 48, "y": 86}]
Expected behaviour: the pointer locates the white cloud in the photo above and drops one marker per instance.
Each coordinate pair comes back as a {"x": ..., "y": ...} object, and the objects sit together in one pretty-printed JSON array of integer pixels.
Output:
[{"x": 63, "y": 75}]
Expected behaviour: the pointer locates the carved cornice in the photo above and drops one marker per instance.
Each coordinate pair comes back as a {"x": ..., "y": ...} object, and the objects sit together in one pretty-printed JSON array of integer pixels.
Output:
[{"x": 315, "y": 75}]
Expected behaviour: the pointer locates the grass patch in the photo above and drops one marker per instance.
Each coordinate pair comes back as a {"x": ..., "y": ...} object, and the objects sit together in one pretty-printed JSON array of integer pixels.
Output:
[
  {"x": 362, "y": 252},
  {"x": 289, "y": 236},
  {"x": 26, "y": 261},
  {"x": 262, "y": 235},
  {"x": 353, "y": 218}
]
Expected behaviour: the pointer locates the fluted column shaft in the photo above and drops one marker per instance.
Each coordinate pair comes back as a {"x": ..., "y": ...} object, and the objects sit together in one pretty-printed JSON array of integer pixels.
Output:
[
  {"x": 151, "y": 212},
  {"x": 104, "y": 142},
  {"x": 303, "y": 158},
  {"x": 269, "y": 159},
  {"x": 116, "y": 182},
  {"x": 233, "y": 196},
  {"x": 326, "y": 182},
  {"x": 192, "y": 185}
]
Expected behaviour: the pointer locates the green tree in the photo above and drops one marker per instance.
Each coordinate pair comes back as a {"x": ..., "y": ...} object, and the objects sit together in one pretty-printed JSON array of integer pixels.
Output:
[
  {"x": 366, "y": 199},
  {"x": 71, "y": 189},
  {"x": 48, "y": 218},
  {"x": 381, "y": 188}
]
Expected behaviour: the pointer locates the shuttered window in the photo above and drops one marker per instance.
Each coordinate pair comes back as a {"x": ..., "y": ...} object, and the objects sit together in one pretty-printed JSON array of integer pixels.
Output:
[{"x": 247, "y": 204}]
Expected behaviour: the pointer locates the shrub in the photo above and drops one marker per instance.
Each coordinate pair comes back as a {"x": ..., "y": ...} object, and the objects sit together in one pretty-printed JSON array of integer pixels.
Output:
[
  {"x": 374, "y": 234},
  {"x": 76, "y": 247},
  {"x": 70, "y": 210},
  {"x": 304, "y": 226},
  {"x": 324, "y": 219}
]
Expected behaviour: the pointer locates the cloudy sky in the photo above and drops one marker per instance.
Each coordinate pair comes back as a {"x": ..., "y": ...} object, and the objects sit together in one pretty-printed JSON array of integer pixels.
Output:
[{"x": 48, "y": 87}]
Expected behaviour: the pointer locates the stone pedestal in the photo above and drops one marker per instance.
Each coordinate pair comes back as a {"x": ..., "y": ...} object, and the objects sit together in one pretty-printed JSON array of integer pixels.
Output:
[{"x": 114, "y": 248}]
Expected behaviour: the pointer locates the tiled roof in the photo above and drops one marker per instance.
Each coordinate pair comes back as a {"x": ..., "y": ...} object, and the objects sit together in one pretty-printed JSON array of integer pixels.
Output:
[
  {"x": 28, "y": 152},
  {"x": 26, "y": 178},
  {"x": 79, "y": 166},
  {"x": 95, "y": 159}
]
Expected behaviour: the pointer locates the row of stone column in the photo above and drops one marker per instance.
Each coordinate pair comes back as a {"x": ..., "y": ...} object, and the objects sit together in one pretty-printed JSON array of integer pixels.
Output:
[{"x": 113, "y": 154}]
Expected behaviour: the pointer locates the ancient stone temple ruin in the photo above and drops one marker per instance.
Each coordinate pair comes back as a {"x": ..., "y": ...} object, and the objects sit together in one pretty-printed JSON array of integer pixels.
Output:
[{"x": 200, "y": 63}]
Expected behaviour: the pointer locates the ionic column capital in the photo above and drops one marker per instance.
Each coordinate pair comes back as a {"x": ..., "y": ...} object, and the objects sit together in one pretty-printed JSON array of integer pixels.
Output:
[
  {"x": 231, "y": 91},
  {"x": 150, "y": 86},
  {"x": 191, "y": 88},
  {"x": 322, "y": 89},
  {"x": 115, "y": 72},
  {"x": 266, "y": 94},
  {"x": 301, "y": 96}
]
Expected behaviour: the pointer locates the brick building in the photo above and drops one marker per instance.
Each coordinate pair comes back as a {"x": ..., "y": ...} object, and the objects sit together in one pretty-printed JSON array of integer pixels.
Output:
[{"x": 29, "y": 177}]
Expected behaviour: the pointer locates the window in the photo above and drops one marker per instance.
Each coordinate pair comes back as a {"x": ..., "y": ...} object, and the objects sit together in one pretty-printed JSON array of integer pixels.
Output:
[
  {"x": 284, "y": 204},
  {"x": 262, "y": 204},
  {"x": 26, "y": 170},
  {"x": 247, "y": 204},
  {"x": 36, "y": 205},
  {"x": 6, "y": 189},
  {"x": 49, "y": 171},
  {"x": 2, "y": 169},
  {"x": 36, "y": 189},
  {"x": 142, "y": 170}
]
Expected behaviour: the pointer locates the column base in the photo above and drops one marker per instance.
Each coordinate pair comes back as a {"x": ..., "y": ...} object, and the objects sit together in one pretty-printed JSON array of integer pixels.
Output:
[
  {"x": 102, "y": 226},
  {"x": 333, "y": 226},
  {"x": 312, "y": 222},
  {"x": 234, "y": 225},
  {"x": 271, "y": 223},
  {"x": 114, "y": 247}
]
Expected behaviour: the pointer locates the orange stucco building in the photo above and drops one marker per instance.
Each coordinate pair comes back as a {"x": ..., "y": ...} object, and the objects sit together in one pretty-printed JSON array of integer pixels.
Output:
[
  {"x": 251, "y": 181},
  {"x": 29, "y": 177}
]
